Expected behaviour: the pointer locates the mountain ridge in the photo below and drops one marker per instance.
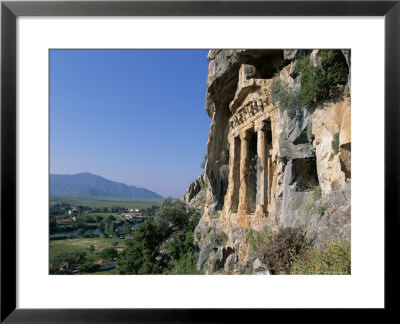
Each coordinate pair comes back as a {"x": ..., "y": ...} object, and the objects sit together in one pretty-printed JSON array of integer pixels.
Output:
[{"x": 86, "y": 184}]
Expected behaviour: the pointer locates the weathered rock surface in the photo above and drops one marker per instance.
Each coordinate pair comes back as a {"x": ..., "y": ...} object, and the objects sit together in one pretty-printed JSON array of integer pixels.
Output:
[
  {"x": 264, "y": 165},
  {"x": 260, "y": 268},
  {"x": 196, "y": 193}
]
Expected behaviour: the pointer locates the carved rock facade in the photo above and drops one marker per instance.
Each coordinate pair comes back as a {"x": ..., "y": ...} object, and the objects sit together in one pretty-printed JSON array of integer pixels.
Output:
[{"x": 263, "y": 165}]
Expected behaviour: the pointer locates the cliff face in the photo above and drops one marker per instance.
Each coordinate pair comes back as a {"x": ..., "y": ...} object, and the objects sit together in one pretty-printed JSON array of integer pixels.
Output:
[
  {"x": 269, "y": 167},
  {"x": 196, "y": 194}
]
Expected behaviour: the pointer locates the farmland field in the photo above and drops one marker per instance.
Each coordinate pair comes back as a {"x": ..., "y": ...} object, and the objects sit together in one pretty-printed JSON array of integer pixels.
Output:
[
  {"x": 58, "y": 247},
  {"x": 96, "y": 202}
]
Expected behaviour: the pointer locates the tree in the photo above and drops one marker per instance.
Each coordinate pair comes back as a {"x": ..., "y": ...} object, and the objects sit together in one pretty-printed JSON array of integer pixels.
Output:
[
  {"x": 89, "y": 267},
  {"x": 172, "y": 213},
  {"x": 108, "y": 228},
  {"x": 56, "y": 261},
  {"x": 115, "y": 209},
  {"x": 139, "y": 257},
  {"x": 180, "y": 249},
  {"x": 111, "y": 229},
  {"x": 148, "y": 253},
  {"x": 150, "y": 211},
  {"x": 111, "y": 218},
  {"x": 80, "y": 210},
  {"x": 102, "y": 227},
  {"x": 90, "y": 219},
  {"x": 72, "y": 258},
  {"x": 53, "y": 224},
  {"x": 109, "y": 253}
]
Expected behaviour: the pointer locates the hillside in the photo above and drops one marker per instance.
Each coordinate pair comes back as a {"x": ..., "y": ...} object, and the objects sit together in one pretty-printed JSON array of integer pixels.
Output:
[{"x": 87, "y": 184}]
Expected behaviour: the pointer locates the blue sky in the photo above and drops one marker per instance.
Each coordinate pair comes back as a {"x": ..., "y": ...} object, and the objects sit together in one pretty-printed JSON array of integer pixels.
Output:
[{"x": 131, "y": 116}]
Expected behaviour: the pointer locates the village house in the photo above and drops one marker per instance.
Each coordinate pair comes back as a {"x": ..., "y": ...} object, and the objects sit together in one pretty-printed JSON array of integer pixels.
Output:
[
  {"x": 64, "y": 265},
  {"x": 106, "y": 264},
  {"x": 71, "y": 211},
  {"x": 127, "y": 215},
  {"x": 132, "y": 215},
  {"x": 63, "y": 221}
]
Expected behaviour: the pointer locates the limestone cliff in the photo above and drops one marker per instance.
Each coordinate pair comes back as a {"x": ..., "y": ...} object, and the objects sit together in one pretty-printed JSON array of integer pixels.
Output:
[
  {"x": 196, "y": 193},
  {"x": 270, "y": 167}
]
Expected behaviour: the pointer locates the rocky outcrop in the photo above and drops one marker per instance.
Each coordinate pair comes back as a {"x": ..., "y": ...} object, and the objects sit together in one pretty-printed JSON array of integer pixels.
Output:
[
  {"x": 196, "y": 193},
  {"x": 269, "y": 167}
]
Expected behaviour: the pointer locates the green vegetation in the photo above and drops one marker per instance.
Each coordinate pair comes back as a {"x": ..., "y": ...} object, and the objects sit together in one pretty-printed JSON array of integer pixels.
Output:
[
  {"x": 140, "y": 255},
  {"x": 321, "y": 210},
  {"x": 284, "y": 246},
  {"x": 109, "y": 253},
  {"x": 163, "y": 245},
  {"x": 335, "y": 72},
  {"x": 108, "y": 272},
  {"x": 180, "y": 250},
  {"x": 81, "y": 245},
  {"x": 277, "y": 250},
  {"x": 108, "y": 228},
  {"x": 105, "y": 202},
  {"x": 317, "y": 83},
  {"x": 73, "y": 258},
  {"x": 218, "y": 238},
  {"x": 88, "y": 267},
  {"x": 287, "y": 99},
  {"x": 311, "y": 81},
  {"x": 258, "y": 240},
  {"x": 287, "y": 252},
  {"x": 198, "y": 235},
  {"x": 86, "y": 221},
  {"x": 91, "y": 248},
  {"x": 320, "y": 83},
  {"x": 335, "y": 143},
  {"x": 172, "y": 215},
  {"x": 334, "y": 259},
  {"x": 316, "y": 193}
]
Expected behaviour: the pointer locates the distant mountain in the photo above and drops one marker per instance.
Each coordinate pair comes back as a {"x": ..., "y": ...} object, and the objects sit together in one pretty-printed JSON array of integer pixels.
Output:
[{"x": 87, "y": 184}]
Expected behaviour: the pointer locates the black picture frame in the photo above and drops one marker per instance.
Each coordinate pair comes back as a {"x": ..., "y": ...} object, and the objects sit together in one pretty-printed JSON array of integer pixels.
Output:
[{"x": 10, "y": 10}]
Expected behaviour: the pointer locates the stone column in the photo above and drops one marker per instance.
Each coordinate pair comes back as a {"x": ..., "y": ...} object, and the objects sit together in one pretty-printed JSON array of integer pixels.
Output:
[
  {"x": 269, "y": 179},
  {"x": 244, "y": 173},
  {"x": 232, "y": 197},
  {"x": 262, "y": 172}
]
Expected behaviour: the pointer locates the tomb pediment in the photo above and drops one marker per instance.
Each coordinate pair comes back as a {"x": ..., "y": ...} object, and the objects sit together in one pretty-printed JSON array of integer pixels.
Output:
[{"x": 250, "y": 100}]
